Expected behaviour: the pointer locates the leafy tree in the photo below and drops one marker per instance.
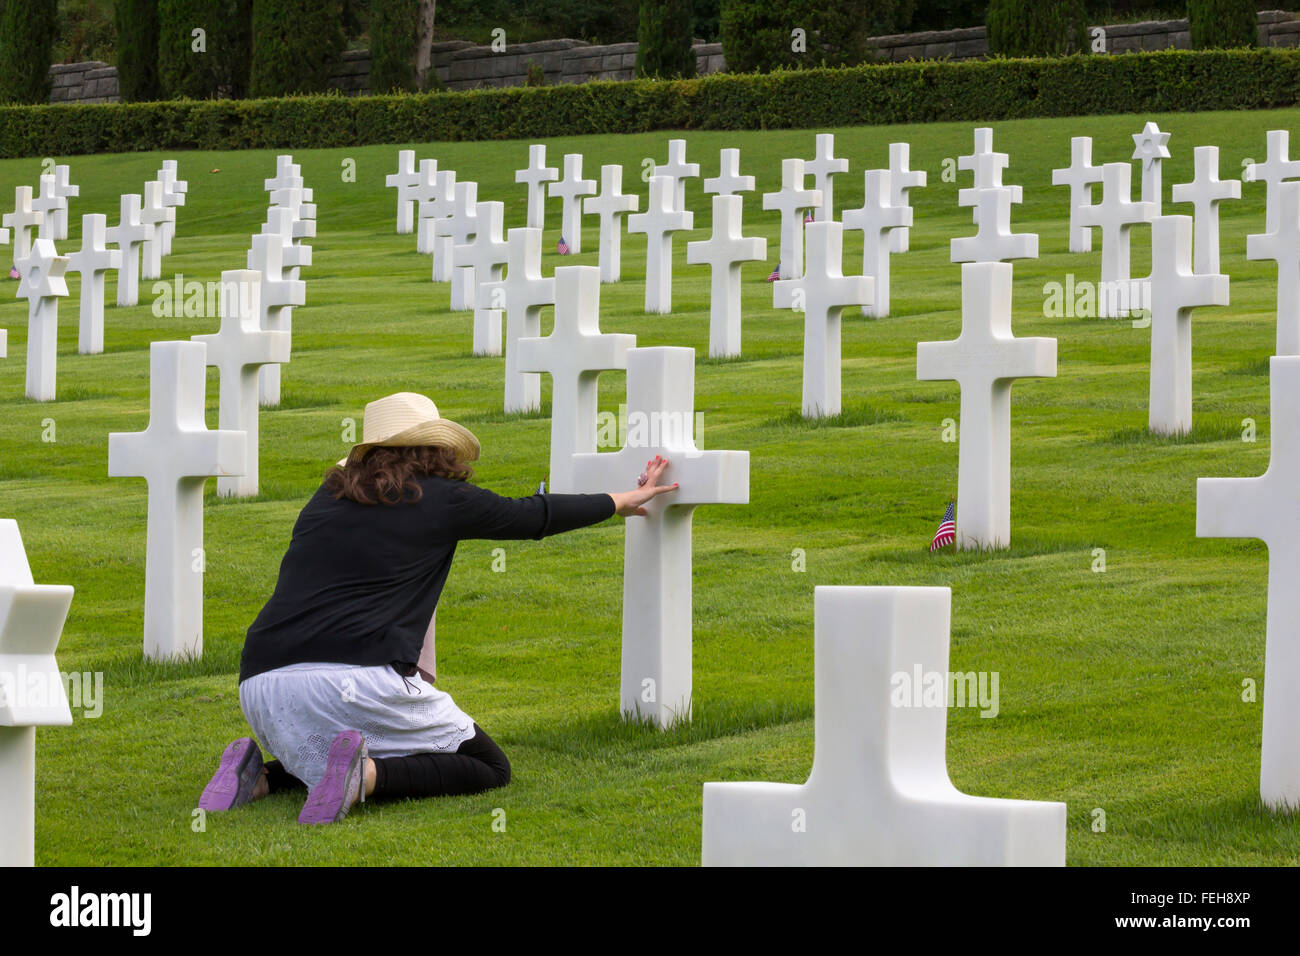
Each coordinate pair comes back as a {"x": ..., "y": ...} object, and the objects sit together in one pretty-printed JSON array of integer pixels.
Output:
[
  {"x": 392, "y": 45},
  {"x": 763, "y": 35},
  {"x": 215, "y": 63}
]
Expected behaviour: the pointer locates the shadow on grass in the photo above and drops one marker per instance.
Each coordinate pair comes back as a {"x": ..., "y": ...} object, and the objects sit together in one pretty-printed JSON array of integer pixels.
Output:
[
  {"x": 1257, "y": 367},
  {"x": 1020, "y": 548},
  {"x": 1200, "y": 433},
  {"x": 303, "y": 400},
  {"x": 853, "y": 417},
  {"x": 131, "y": 670},
  {"x": 599, "y": 734},
  {"x": 499, "y": 417}
]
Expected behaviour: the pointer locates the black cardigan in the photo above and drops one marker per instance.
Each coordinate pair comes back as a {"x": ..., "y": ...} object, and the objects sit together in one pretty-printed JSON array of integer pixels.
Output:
[{"x": 359, "y": 583}]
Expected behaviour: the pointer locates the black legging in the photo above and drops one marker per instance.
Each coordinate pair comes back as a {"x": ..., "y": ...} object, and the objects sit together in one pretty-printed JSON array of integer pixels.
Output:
[{"x": 477, "y": 765}]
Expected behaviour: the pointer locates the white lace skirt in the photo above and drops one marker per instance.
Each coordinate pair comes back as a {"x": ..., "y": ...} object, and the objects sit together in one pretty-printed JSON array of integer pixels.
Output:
[{"x": 296, "y": 711}]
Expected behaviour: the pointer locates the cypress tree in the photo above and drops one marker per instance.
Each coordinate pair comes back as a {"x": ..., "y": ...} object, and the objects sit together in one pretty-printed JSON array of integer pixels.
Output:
[
  {"x": 296, "y": 45},
  {"x": 27, "y": 32},
  {"x": 664, "y": 39},
  {"x": 392, "y": 45},
  {"x": 1222, "y": 24},
  {"x": 137, "y": 49},
  {"x": 214, "y": 64}
]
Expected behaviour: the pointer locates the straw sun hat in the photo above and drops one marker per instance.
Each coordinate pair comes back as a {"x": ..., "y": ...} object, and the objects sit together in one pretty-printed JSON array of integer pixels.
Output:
[{"x": 407, "y": 419}]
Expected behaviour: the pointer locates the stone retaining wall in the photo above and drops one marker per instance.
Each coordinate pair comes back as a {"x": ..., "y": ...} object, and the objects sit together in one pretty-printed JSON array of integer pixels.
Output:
[{"x": 464, "y": 66}]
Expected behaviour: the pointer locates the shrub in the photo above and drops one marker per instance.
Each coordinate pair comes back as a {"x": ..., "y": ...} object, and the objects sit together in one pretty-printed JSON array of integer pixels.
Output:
[
  {"x": 296, "y": 44},
  {"x": 221, "y": 67},
  {"x": 392, "y": 45},
  {"x": 664, "y": 39},
  {"x": 757, "y": 35},
  {"x": 1037, "y": 27},
  {"x": 27, "y": 32},
  {"x": 1222, "y": 24},
  {"x": 878, "y": 94}
]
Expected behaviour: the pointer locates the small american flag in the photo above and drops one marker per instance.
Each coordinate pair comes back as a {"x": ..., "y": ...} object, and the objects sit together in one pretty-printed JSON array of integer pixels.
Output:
[
  {"x": 947, "y": 532},
  {"x": 808, "y": 216},
  {"x": 562, "y": 247},
  {"x": 776, "y": 274}
]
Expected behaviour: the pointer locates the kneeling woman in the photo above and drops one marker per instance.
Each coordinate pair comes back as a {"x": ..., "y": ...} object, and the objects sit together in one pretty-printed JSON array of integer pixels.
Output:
[{"x": 330, "y": 679}]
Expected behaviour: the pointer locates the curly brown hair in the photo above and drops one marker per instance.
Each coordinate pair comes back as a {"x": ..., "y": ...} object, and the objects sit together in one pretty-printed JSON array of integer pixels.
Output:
[{"x": 390, "y": 475}]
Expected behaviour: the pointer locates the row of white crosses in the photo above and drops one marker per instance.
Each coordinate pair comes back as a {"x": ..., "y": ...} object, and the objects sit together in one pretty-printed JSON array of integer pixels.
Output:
[
  {"x": 657, "y": 635},
  {"x": 43, "y": 271},
  {"x": 1184, "y": 256},
  {"x": 986, "y": 358},
  {"x": 277, "y": 255}
]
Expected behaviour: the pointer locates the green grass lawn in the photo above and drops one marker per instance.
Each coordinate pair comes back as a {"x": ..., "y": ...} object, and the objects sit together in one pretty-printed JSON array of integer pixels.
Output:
[{"x": 1119, "y": 690}]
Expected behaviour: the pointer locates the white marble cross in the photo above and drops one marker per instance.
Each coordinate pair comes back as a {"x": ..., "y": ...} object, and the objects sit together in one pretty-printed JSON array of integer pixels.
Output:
[
  {"x": 64, "y": 190},
  {"x": 822, "y": 293},
  {"x": 129, "y": 235},
  {"x": 575, "y": 353},
  {"x": 23, "y": 220},
  {"x": 571, "y": 189},
  {"x": 1282, "y": 245},
  {"x": 175, "y": 454},
  {"x": 1205, "y": 192},
  {"x": 1274, "y": 171},
  {"x": 677, "y": 170},
  {"x": 94, "y": 259},
  {"x": 984, "y": 163},
  {"x": 424, "y": 192},
  {"x": 440, "y": 207},
  {"x": 47, "y": 202},
  {"x": 42, "y": 285},
  {"x": 404, "y": 181},
  {"x": 611, "y": 206},
  {"x": 32, "y": 693},
  {"x": 723, "y": 252},
  {"x": 276, "y": 295},
  {"x": 152, "y": 213},
  {"x": 791, "y": 200},
  {"x": 728, "y": 182},
  {"x": 1115, "y": 215},
  {"x": 288, "y": 174},
  {"x": 985, "y": 359},
  {"x": 659, "y": 222},
  {"x": 656, "y": 660},
  {"x": 1175, "y": 291},
  {"x": 457, "y": 230},
  {"x": 238, "y": 349},
  {"x": 521, "y": 295},
  {"x": 537, "y": 174},
  {"x": 1150, "y": 147},
  {"x": 879, "y": 793},
  {"x": 297, "y": 200},
  {"x": 993, "y": 240},
  {"x": 1080, "y": 176},
  {"x": 823, "y": 168},
  {"x": 1267, "y": 508},
  {"x": 295, "y": 254},
  {"x": 877, "y": 219},
  {"x": 174, "y": 192},
  {"x": 902, "y": 180},
  {"x": 483, "y": 259}
]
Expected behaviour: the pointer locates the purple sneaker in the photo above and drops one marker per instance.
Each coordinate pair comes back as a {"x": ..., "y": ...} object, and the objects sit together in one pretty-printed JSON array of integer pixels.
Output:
[
  {"x": 343, "y": 783},
  {"x": 232, "y": 785}
]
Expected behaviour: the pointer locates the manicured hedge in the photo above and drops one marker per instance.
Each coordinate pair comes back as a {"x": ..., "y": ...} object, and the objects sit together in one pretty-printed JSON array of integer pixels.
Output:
[{"x": 1169, "y": 81}]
